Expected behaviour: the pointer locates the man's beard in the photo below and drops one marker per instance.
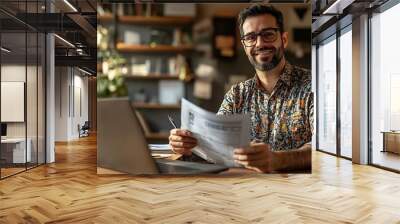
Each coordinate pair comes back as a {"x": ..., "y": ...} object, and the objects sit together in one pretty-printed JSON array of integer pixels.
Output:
[{"x": 267, "y": 66}]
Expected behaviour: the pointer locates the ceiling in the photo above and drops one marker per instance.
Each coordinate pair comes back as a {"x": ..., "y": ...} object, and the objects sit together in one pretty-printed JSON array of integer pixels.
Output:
[
  {"x": 332, "y": 15},
  {"x": 73, "y": 20}
]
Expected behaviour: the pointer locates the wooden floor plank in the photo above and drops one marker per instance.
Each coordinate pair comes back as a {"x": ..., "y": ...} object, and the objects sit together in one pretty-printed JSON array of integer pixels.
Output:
[{"x": 70, "y": 191}]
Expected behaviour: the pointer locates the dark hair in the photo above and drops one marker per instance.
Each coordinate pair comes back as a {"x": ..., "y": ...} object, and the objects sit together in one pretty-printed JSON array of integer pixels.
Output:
[{"x": 258, "y": 9}]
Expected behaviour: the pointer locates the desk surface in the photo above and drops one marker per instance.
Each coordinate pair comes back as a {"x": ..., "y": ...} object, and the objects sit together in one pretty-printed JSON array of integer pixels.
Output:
[
  {"x": 13, "y": 140},
  {"x": 229, "y": 172}
]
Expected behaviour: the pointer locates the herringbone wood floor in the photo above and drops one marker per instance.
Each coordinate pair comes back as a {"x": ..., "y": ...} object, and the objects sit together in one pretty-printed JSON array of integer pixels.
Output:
[{"x": 69, "y": 191}]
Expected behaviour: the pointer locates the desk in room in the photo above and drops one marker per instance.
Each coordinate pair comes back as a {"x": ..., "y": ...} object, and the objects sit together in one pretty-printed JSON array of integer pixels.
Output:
[
  {"x": 229, "y": 172},
  {"x": 106, "y": 171},
  {"x": 16, "y": 147}
]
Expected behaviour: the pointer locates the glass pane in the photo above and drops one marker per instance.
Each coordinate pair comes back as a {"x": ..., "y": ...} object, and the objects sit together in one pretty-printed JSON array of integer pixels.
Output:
[
  {"x": 385, "y": 89},
  {"x": 314, "y": 87},
  {"x": 327, "y": 96},
  {"x": 33, "y": 72},
  {"x": 22, "y": 79},
  {"x": 41, "y": 99},
  {"x": 346, "y": 94},
  {"x": 13, "y": 87},
  {"x": 31, "y": 100}
]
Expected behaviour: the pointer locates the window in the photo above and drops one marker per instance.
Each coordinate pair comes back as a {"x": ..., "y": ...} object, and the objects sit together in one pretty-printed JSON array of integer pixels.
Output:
[
  {"x": 327, "y": 95},
  {"x": 346, "y": 92},
  {"x": 385, "y": 87},
  {"x": 22, "y": 77}
]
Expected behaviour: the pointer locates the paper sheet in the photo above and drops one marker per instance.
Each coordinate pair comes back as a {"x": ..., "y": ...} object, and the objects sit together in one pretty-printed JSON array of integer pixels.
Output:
[
  {"x": 160, "y": 147},
  {"x": 157, "y": 149},
  {"x": 217, "y": 136}
]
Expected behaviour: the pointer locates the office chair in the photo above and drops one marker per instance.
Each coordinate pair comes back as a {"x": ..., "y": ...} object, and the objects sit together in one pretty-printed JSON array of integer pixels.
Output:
[{"x": 84, "y": 130}]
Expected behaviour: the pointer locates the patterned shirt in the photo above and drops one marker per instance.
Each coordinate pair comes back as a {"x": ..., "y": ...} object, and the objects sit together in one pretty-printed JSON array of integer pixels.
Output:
[{"x": 284, "y": 118}]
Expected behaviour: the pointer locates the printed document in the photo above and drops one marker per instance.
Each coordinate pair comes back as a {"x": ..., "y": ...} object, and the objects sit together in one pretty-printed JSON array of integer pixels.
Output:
[{"x": 217, "y": 135}]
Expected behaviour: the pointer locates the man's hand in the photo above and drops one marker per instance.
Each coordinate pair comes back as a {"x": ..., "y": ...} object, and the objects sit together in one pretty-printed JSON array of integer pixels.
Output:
[
  {"x": 257, "y": 156},
  {"x": 182, "y": 141}
]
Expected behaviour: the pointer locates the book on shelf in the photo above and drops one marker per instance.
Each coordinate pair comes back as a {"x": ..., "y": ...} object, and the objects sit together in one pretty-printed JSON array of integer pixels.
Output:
[
  {"x": 148, "y": 9},
  {"x": 136, "y": 9},
  {"x": 132, "y": 37},
  {"x": 158, "y": 65},
  {"x": 172, "y": 66},
  {"x": 179, "y": 9},
  {"x": 141, "y": 69},
  {"x": 128, "y": 9},
  {"x": 177, "y": 40},
  {"x": 120, "y": 9}
]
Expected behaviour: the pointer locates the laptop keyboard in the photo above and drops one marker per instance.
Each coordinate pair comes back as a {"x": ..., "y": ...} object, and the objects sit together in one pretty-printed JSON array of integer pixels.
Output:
[
  {"x": 181, "y": 167},
  {"x": 166, "y": 168}
]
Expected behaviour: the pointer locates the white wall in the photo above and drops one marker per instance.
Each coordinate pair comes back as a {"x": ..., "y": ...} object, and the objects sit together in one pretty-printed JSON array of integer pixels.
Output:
[
  {"x": 12, "y": 73},
  {"x": 71, "y": 93},
  {"x": 61, "y": 103},
  {"x": 33, "y": 127}
]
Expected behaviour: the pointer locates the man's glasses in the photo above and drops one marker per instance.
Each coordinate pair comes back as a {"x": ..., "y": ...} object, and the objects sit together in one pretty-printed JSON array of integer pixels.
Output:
[{"x": 267, "y": 35}]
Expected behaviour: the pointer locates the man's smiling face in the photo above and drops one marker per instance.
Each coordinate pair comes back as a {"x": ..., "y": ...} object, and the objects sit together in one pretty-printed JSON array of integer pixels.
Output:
[{"x": 264, "y": 55}]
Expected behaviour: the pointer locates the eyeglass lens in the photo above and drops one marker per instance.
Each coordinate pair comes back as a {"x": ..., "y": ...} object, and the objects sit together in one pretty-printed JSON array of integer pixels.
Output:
[{"x": 267, "y": 35}]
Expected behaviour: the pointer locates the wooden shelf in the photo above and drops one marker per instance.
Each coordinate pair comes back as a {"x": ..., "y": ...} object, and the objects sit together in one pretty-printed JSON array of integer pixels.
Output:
[
  {"x": 133, "y": 48},
  {"x": 156, "y": 20},
  {"x": 156, "y": 106},
  {"x": 152, "y": 77},
  {"x": 105, "y": 18},
  {"x": 157, "y": 136}
]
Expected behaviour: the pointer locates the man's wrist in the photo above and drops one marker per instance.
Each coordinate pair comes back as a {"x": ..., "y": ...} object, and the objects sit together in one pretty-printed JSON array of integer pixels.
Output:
[
  {"x": 296, "y": 159},
  {"x": 277, "y": 161}
]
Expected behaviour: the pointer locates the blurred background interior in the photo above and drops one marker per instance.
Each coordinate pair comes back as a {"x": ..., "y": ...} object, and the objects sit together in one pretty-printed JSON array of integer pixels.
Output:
[
  {"x": 48, "y": 78},
  {"x": 155, "y": 54},
  {"x": 356, "y": 79}
]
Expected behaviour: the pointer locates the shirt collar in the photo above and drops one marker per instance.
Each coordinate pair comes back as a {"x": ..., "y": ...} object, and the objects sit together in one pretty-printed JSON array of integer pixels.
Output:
[{"x": 286, "y": 77}]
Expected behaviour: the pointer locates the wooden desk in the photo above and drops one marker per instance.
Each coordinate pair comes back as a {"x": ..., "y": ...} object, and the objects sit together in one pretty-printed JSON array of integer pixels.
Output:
[
  {"x": 229, "y": 172},
  {"x": 391, "y": 141}
]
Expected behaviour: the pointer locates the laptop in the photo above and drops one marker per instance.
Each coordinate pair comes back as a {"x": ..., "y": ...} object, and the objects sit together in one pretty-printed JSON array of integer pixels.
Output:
[{"x": 122, "y": 146}]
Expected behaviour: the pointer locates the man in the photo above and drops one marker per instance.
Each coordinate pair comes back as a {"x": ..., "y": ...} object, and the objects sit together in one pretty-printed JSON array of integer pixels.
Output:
[{"x": 278, "y": 97}]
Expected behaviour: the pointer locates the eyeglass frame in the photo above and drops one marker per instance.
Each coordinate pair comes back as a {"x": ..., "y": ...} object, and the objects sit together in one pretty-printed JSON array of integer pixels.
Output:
[{"x": 276, "y": 29}]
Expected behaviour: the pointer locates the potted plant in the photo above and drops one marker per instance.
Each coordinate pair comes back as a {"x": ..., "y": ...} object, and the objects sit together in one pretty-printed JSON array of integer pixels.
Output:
[{"x": 110, "y": 81}]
